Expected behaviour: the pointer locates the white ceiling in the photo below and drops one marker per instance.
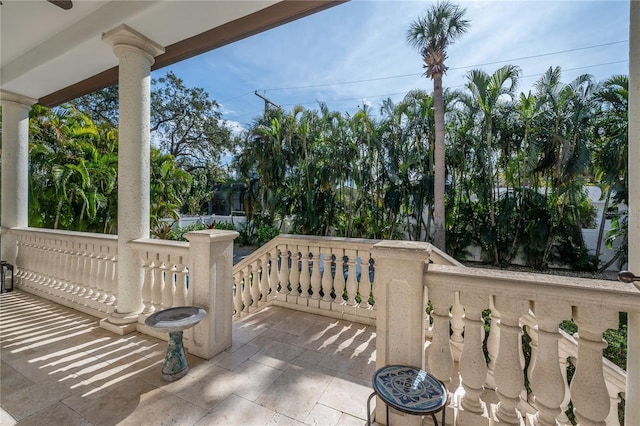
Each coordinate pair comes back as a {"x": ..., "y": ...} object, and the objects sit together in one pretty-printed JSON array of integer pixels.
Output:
[{"x": 44, "y": 48}]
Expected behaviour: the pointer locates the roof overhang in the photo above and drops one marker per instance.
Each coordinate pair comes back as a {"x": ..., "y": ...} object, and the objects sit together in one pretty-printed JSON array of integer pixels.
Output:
[{"x": 56, "y": 55}]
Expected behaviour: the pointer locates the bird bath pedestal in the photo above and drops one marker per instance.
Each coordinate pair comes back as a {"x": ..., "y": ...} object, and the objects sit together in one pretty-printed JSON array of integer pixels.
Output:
[{"x": 175, "y": 321}]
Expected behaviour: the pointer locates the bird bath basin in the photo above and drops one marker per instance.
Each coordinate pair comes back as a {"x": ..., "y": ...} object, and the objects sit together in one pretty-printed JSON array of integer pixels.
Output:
[{"x": 175, "y": 321}]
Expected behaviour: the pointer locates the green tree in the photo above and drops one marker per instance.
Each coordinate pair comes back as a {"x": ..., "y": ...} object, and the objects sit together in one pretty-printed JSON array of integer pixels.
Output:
[
  {"x": 432, "y": 34},
  {"x": 186, "y": 123},
  {"x": 169, "y": 185},
  {"x": 487, "y": 92},
  {"x": 610, "y": 159}
]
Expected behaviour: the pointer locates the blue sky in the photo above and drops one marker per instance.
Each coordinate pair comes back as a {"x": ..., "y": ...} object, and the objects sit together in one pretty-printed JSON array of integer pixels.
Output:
[{"x": 356, "y": 53}]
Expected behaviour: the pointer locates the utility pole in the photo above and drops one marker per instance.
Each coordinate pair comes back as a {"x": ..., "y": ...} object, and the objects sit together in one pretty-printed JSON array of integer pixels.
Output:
[{"x": 267, "y": 102}]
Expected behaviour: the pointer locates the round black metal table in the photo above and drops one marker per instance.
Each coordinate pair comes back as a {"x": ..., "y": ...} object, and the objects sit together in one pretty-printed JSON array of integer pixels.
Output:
[{"x": 409, "y": 390}]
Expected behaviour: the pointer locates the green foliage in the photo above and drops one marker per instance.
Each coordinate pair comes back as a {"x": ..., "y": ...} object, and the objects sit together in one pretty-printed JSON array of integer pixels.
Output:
[
  {"x": 266, "y": 233},
  {"x": 178, "y": 234},
  {"x": 222, "y": 226}
]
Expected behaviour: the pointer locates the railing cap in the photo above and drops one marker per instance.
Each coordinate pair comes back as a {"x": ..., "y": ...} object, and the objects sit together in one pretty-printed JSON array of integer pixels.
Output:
[{"x": 211, "y": 235}]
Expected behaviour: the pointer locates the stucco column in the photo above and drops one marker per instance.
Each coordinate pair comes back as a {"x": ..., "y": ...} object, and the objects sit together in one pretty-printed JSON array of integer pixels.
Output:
[
  {"x": 136, "y": 54},
  {"x": 632, "y": 410},
  {"x": 15, "y": 168}
]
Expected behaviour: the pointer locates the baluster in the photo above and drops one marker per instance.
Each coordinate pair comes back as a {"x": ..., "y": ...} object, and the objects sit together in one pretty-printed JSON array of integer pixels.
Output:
[
  {"x": 352, "y": 282},
  {"x": 305, "y": 278},
  {"x": 327, "y": 279},
  {"x": 76, "y": 271},
  {"x": 114, "y": 287},
  {"x": 247, "y": 291},
  {"x": 284, "y": 270},
  {"x": 589, "y": 393},
  {"x": 57, "y": 271},
  {"x": 457, "y": 323},
  {"x": 564, "y": 405},
  {"x": 508, "y": 372},
  {"x": 99, "y": 275},
  {"x": 156, "y": 289},
  {"x": 440, "y": 355},
  {"x": 54, "y": 282},
  {"x": 473, "y": 367},
  {"x": 339, "y": 282},
  {"x": 63, "y": 278},
  {"x": 86, "y": 276},
  {"x": 294, "y": 275},
  {"x": 173, "y": 283},
  {"x": 42, "y": 281},
  {"x": 614, "y": 398},
  {"x": 91, "y": 283},
  {"x": 53, "y": 272},
  {"x": 45, "y": 279},
  {"x": 263, "y": 265},
  {"x": 493, "y": 344},
  {"x": 85, "y": 267},
  {"x": 110, "y": 277},
  {"x": 533, "y": 347},
  {"x": 546, "y": 377},
  {"x": 237, "y": 294},
  {"x": 167, "y": 282},
  {"x": 274, "y": 282},
  {"x": 316, "y": 278},
  {"x": 182, "y": 284},
  {"x": 147, "y": 283},
  {"x": 364, "y": 287},
  {"x": 69, "y": 258},
  {"x": 182, "y": 291}
]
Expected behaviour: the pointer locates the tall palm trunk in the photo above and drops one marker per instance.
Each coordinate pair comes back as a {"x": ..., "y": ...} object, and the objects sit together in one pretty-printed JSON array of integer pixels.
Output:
[{"x": 439, "y": 172}]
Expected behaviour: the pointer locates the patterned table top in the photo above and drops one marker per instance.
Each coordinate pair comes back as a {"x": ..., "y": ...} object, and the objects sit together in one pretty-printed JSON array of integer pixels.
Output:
[{"x": 409, "y": 389}]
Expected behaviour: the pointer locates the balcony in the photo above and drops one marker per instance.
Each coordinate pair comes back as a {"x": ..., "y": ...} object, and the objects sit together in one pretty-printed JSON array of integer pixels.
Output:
[
  {"x": 312, "y": 319},
  {"x": 284, "y": 367}
]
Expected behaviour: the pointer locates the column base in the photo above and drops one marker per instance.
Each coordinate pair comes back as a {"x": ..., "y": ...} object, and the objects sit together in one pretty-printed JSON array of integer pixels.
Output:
[{"x": 120, "y": 323}]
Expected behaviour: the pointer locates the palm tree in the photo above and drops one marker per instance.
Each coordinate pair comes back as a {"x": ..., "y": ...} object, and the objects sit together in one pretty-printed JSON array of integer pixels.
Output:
[
  {"x": 488, "y": 91},
  {"x": 431, "y": 35}
]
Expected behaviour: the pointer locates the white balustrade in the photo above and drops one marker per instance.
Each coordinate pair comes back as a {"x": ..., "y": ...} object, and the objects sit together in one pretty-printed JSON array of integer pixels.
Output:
[
  {"x": 328, "y": 276},
  {"x": 75, "y": 269},
  {"x": 541, "y": 302},
  {"x": 166, "y": 274}
]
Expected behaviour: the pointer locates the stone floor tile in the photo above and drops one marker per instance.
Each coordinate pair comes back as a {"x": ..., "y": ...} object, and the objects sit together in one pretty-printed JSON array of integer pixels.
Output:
[
  {"x": 282, "y": 420},
  {"x": 237, "y": 411},
  {"x": 11, "y": 381},
  {"x": 31, "y": 399},
  {"x": 256, "y": 378},
  {"x": 277, "y": 355},
  {"x": 356, "y": 361},
  {"x": 134, "y": 402},
  {"x": 349, "y": 420},
  {"x": 321, "y": 415},
  {"x": 295, "y": 392},
  {"x": 233, "y": 360},
  {"x": 57, "y": 414},
  {"x": 347, "y": 394},
  {"x": 207, "y": 389},
  {"x": 294, "y": 324}
]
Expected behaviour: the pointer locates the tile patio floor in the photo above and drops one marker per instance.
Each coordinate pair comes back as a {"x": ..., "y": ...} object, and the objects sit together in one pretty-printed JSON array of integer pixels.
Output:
[{"x": 284, "y": 368}]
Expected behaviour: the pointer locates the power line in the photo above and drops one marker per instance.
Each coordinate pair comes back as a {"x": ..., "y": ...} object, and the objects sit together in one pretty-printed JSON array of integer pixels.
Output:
[
  {"x": 403, "y": 93},
  {"x": 454, "y": 68}
]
